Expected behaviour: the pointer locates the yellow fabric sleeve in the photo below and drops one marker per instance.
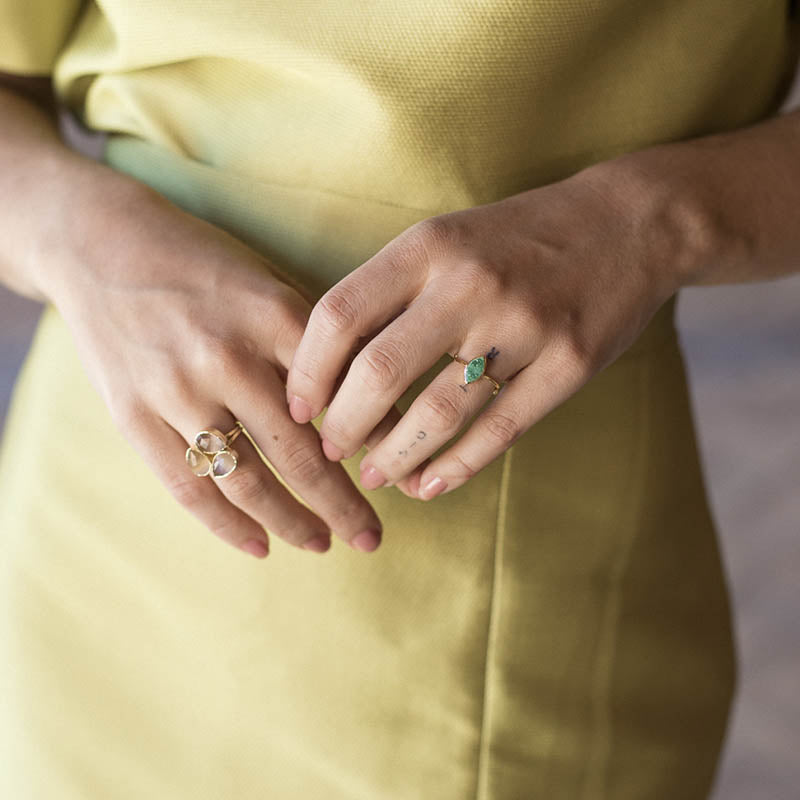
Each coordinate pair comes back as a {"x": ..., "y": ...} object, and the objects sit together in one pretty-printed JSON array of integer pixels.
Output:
[{"x": 33, "y": 33}]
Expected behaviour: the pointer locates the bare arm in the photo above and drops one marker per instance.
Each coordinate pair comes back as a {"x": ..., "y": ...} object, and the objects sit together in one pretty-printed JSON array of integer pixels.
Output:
[
  {"x": 46, "y": 188},
  {"x": 727, "y": 205},
  {"x": 552, "y": 284}
]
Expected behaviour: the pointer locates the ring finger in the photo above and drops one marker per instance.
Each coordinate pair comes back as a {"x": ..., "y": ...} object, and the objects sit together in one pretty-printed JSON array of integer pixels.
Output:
[
  {"x": 253, "y": 488},
  {"x": 437, "y": 414},
  {"x": 164, "y": 450}
]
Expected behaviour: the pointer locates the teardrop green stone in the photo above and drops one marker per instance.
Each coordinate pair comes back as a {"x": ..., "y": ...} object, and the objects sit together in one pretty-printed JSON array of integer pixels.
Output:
[{"x": 474, "y": 369}]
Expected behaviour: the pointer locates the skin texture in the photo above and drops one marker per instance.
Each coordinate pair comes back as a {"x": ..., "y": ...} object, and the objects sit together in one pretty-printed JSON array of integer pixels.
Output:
[
  {"x": 555, "y": 283},
  {"x": 510, "y": 278},
  {"x": 179, "y": 326}
]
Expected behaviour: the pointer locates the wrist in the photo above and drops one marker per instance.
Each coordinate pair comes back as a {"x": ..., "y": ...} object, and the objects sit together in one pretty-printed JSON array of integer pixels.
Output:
[
  {"x": 85, "y": 199},
  {"x": 672, "y": 209}
]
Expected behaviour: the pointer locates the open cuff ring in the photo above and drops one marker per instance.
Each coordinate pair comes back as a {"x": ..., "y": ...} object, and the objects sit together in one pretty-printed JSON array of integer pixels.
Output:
[
  {"x": 212, "y": 454},
  {"x": 476, "y": 368}
]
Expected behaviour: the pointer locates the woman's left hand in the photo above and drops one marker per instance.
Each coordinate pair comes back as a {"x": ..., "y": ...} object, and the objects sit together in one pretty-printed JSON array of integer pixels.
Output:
[{"x": 553, "y": 284}]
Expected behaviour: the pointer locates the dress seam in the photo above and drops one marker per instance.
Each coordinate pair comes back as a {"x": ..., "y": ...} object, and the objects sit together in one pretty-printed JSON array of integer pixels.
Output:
[
  {"x": 249, "y": 179},
  {"x": 595, "y": 785},
  {"x": 482, "y": 776}
]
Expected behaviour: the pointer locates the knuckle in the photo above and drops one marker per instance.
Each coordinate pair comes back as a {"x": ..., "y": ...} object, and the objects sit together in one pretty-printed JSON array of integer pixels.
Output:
[
  {"x": 243, "y": 486},
  {"x": 218, "y": 356},
  {"x": 305, "y": 462},
  {"x": 179, "y": 388},
  {"x": 346, "y": 510},
  {"x": 433, "y": 234},
  {"x": 501, "y": 428},
  {"x": 439, "y": 411},
  {"x": 570, "y": 324},
  {"x": 288, "y": 321},
  {"x": 128, "y": 412},
  {"x": 482, "y": 277},
  {"x": 185, "y": 489},
  {"x": 340, "y": 308},
  {"x": 334, "y": 431},
  {"x": 169, "y": 387},
  {"x": 305, "y": 371},
  {"x": 236, "y": 365},
  {"x": 227, "y": 527},
  {"x": 383, "y": 365},
  {"x": 578, "y": 354},
  {"x": 296, "y": 534},
  {"x": 467, "y": 470}
]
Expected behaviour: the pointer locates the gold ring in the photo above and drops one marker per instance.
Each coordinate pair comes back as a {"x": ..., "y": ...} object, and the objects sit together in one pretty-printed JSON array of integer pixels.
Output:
[
  {"x": 212, "y": 454},
  {"x": 474, "y": 369}
]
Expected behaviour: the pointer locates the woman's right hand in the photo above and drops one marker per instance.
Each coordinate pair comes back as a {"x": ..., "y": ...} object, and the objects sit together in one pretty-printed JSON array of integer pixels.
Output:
[{"x": 182, "y": 327}]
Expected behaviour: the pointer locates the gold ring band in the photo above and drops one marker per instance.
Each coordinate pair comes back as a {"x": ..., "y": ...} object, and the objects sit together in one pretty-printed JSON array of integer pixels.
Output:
[
  {"x": 475, "y": 369},
  {"x": 231, "y": 435},
  {"x": 212, "y": 454}
]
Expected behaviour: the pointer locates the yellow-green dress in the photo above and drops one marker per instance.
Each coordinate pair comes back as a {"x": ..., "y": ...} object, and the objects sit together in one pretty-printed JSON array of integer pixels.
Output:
[{"x": 557, "y": 628}]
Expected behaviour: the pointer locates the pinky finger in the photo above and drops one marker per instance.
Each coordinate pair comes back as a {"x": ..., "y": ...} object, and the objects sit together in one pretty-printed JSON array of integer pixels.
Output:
[
  {"x": 165, "y": 452},
  {"x": 524, "y": 400},
  {"x": 409, "y": 485}
]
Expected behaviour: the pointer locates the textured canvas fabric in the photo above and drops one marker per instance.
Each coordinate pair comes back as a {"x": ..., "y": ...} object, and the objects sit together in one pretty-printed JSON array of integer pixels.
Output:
[{"x": 559, "y": 627}]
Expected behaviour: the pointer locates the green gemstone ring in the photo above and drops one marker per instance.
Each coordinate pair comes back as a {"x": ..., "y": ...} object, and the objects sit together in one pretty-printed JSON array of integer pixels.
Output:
[{"x": 474, "y": 369}]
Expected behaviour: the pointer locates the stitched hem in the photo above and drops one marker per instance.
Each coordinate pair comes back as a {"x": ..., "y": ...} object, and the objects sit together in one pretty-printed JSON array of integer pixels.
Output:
[
  {"x": 482, "y": 776},
  {"x": 595, "y": 784}
]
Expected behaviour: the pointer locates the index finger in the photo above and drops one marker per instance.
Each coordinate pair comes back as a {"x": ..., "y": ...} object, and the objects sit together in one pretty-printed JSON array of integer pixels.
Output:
[{"x": 364, "y": 300}]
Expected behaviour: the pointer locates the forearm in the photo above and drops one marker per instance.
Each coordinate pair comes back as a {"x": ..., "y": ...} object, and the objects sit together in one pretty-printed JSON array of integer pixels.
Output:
[
  {"x": 47, "y": 191},
  {"x": 723, "y": 208}
]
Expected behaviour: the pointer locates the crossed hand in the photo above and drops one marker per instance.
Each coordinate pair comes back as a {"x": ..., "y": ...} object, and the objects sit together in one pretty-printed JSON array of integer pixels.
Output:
[{"x": 535, "y": 293}]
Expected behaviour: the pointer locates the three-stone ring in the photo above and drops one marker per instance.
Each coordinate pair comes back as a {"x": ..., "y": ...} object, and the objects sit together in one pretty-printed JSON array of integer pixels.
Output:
[
  {"x": 212, "y": 454},
  {"x": 476, "y": 368}
]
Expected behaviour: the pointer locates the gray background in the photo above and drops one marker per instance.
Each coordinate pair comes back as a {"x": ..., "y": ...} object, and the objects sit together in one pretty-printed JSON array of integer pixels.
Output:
[{"x": 742, "y": 346}]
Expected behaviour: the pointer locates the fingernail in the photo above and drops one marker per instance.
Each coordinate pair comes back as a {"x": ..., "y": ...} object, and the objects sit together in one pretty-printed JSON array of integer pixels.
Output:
[
  {"x": 413, "y": 484},
  {"x": 432, "y": 488},
  {"x": 331, "y": 450},
  {"x": 366, "y": 541},
  {"x": 299, "y": 409},
  {"x": 372, "y": 479},
  {"x": 319, "y": 544},
  {"x": 256, "y": 548}
]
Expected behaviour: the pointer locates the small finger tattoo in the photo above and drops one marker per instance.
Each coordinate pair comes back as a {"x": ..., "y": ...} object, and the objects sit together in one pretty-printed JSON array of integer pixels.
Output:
[
  {"x": 420, "y": 435},
  {"x": 493, "y": 353}
]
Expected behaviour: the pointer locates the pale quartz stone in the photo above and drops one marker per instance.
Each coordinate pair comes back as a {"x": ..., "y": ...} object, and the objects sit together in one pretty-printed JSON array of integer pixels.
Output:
[
  {"x": 209, "y": 442},
  {"x": 198, "y": 462},
  {"x": 224, "y": 463}
]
